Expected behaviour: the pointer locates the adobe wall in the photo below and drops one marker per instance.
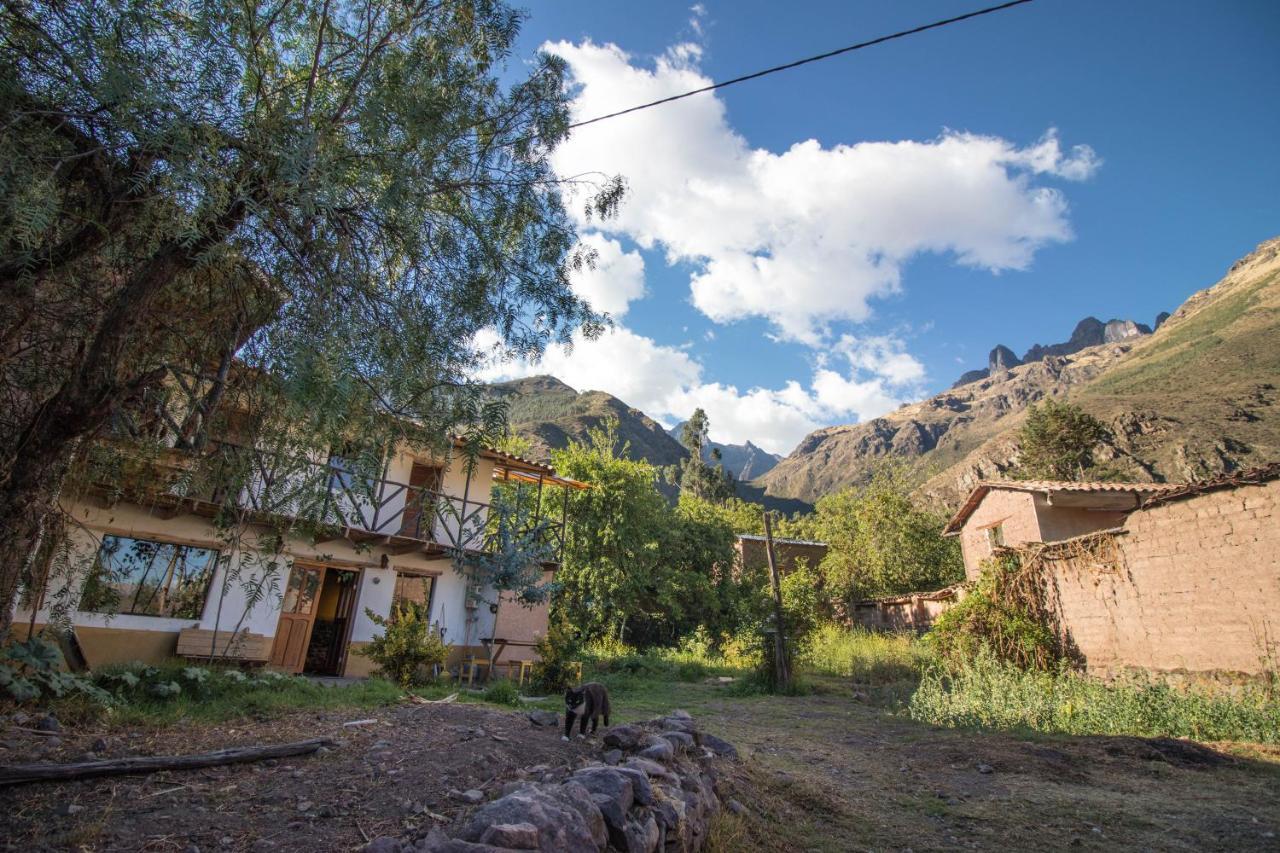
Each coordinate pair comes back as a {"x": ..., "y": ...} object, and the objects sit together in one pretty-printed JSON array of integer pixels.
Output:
[
  {"x": 915, "y": 613},
  {"x": 1195, "y": 588},
  {"x": 752, "y": 554},
  {"x": 1015, "y": 511},
  {"x": 1063, "y": 522}
]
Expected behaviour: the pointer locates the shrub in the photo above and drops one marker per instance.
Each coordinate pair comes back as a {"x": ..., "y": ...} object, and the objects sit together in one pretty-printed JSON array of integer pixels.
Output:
[
  {"x": 557, "y": 650},
  {"x": 31, "y": 671},
  {"x": 408, "y": 647},
  {"x": 1003, "y": 612},
  {"x": 502, "y": 692},
  {"x": 867, "y": 657}
]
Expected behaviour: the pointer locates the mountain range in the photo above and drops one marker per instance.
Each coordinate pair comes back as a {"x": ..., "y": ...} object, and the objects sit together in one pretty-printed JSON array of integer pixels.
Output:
[{"x": 1194, "y": 394}]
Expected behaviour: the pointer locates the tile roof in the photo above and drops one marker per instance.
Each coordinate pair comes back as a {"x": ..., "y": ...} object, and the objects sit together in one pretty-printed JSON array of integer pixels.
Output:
[
  {"x": 1250, "y": 477},
  {"x": 980, "y": 491}
]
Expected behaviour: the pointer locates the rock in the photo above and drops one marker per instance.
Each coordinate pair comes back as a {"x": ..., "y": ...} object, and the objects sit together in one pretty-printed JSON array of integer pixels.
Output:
[
  {"x": 305, "y": 806},
  {"x": 720, "y": 747},
  {"x": 52, "y": 742},
  {"x": 738, "y": 808},
  {"x": 613, "y": 756},
  {"x": 99, "y": 745},
  {"x": 383, "y": 844},
  {"x": 543, "y": 718},
  {"x": 642, "y": 834},
  {"x": 579, "y": 799},
  {"x": 20, "y": 718},
  {"x": 47, "y": 723},
  {"x": 679, "y": 740},
  {"x": 514, "y": 836},
  {"x": 625, "y": 738},
  {"x": 69, "y": 809},
  {"x": 681, "y": 714},
  {"x": 613, "y": 794},
  {"x": 560, "y": 827},
  {"x": 641, "y": 790},
  {"x": 652, "y": 769},
  {"x": 1001, "y": 358},
  {"x": 985, "y": 768},
  {"x": 659, "y": 751},
  {"x": 471, "y": 796},
  {"x": 1161, "y": 317}
]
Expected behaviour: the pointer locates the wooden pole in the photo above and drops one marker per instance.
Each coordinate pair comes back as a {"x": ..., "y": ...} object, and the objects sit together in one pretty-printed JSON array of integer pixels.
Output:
[
  {"x": 15, "y": 774},
  {"x": 782, "y": 672}
]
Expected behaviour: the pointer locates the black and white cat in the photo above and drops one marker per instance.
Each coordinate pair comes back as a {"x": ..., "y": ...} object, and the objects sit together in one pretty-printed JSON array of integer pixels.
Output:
[{"x": 588, "y": 702}]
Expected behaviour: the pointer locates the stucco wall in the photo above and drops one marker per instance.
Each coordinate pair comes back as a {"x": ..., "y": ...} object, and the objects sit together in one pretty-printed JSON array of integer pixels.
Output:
[
  {"x": 1197, "y": 588},
  {"x": 1014, "y": 511}
]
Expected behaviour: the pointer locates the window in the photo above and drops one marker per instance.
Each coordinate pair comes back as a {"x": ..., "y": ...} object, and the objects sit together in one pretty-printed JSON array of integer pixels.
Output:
[
  {"x": 995, "y": 536},
  {"x": 146, "y": 578},
  {"x": 417, "y": 589}
]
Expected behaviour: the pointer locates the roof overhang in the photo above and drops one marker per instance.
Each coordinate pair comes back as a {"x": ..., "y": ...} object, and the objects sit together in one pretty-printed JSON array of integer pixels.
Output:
[{"x": 1115, "y": 497}]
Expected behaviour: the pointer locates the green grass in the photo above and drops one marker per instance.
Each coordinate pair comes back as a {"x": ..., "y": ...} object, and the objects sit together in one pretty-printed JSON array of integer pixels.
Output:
[{"x": 986, "y": 693}]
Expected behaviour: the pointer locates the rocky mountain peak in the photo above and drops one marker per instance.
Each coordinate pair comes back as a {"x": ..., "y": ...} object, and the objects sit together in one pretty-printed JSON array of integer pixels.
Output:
[{"x": 1002, "y": 358}]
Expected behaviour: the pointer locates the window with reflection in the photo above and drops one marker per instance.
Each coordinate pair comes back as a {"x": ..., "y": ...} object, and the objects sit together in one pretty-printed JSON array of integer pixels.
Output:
[{"x": 142, "y": 577}]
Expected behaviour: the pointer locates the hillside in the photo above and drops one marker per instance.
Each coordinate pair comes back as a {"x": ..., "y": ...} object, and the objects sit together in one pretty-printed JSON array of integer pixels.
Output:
[
  {"x": 1195, "y": 397},
  {"x": 551, "y": 414}
]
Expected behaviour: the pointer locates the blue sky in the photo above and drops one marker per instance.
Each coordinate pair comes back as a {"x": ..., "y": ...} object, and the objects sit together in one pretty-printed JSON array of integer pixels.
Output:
[{"x": 817, "y": 246}]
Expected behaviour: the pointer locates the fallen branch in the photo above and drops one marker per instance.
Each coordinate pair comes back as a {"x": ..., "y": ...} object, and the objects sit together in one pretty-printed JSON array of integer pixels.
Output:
[
  {"x": 16, "y": 774},
  {"x": 418, "y": 700}
]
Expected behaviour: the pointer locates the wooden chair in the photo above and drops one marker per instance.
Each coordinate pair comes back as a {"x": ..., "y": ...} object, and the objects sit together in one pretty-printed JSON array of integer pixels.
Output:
[
  {"x": 518, "y": 670},
  {"x": 471, "y": 667}
]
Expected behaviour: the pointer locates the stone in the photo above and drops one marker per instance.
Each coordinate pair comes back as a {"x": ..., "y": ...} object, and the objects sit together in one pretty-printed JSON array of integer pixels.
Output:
[
  {"x": 99, "y": 745},
  {"x": 719, "y": 746},
  {"x": 679, "y": 724},
  {"x": 738, "y": 808},
  {"x": 69, "y": 809},
  {"x": 641, "y": 790},
  {"x": 305, "y": 806},
  {"x": 471, "y": 796},
  {"x": 626, "y": 738},
  {"x": 612, "y": 792},
  {"x": 47, "y": 723},
  {"x": 579, "y": 799},
  {"x": 560, "y": 827},
  {"x": 543, "y": 718},
  {"x": 383, "y": 844},
  {"x": 680, "y": 714},
  {"x": 613, "y": 756},
  {"x": 679, "y": 740},
  {"x": 985, "y": 768},
  {"x": 659, "y": 751},
  {"x": 652, "y": 769},
  {"x": 514, "y": 836},
  {"x": 642, "y": 834}
]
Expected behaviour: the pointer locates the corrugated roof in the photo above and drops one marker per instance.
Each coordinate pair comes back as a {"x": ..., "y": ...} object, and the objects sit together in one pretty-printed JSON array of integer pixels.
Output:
[
  {"x": 778, "y": 540},
  {"x": 980, "y": 491}
]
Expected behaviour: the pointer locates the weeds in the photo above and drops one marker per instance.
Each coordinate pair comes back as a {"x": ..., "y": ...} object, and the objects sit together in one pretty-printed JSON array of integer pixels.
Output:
[{"x": 988, "y": 693}]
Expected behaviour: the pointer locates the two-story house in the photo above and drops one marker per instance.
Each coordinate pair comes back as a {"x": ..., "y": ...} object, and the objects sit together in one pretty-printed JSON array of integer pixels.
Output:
[{"x": 171, "y": 568}]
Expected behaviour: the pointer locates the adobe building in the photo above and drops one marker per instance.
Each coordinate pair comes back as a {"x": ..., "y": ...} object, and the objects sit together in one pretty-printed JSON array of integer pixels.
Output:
[
  {"x": 753, "y": 553},
  {"x": 1008, "y": 513}
]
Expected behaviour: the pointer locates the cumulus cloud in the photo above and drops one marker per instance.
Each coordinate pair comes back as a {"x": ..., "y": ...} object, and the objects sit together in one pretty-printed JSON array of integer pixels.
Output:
[
  {"x": 616, "y": 279},
  {"x": 813, "y": 234}
]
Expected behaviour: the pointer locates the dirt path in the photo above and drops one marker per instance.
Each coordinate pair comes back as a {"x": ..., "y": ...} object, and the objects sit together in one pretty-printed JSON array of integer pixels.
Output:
[{"x": 823, "y": 773}]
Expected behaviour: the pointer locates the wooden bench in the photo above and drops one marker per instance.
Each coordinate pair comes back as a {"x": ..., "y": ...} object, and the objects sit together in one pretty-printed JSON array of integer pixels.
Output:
[{"x": 198, "y": 642}]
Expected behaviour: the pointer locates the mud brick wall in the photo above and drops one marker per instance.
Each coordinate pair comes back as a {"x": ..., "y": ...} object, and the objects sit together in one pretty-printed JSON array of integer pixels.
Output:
[
  {"x": 1196, "y": 588},
  {"x": 906, "y": 613}
]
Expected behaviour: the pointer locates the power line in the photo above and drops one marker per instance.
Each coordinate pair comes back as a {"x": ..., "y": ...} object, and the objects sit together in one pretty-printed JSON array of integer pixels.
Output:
[{"x": 881, "y": 40}]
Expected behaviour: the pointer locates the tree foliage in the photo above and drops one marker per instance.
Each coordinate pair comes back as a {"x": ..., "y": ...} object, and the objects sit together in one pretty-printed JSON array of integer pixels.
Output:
[
  {"x": 637, "y": 568},
  {"x": 337, "y": 197},
  {"x": 881, "y": 542},
  {"x": 1057, "y": 441},
  {"x": 696, "y": 476}
]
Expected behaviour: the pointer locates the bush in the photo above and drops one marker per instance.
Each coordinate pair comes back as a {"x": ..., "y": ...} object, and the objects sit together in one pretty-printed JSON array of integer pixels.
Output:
[
  {"x": 502, "y": 692},
  {"x": 408, "y": 647},
  {"x": 31, "y": 672},
  {"x": 991, "y": 693},
  {"x": 867, "y": 657},
  {"x": 1004, "y": 613},
  {"x": 558, "y": 650}
]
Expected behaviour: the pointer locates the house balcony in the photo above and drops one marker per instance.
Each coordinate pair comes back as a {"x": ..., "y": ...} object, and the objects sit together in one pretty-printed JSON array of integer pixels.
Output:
[{"x": 335, "y": 503}]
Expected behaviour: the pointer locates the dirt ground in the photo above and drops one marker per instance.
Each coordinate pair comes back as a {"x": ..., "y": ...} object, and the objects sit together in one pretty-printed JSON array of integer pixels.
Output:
[{"x": 821, "y": 773}]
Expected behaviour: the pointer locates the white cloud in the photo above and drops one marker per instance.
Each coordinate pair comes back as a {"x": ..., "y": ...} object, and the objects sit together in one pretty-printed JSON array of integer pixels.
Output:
[
  {"x": 667, "y": 383},
  {"x": 616, "y": 280},
  {"x": 810, "y": 235}
]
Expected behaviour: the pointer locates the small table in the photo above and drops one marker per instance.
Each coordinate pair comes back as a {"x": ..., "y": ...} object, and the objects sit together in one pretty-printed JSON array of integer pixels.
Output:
[{"x": 495, "y": 646}]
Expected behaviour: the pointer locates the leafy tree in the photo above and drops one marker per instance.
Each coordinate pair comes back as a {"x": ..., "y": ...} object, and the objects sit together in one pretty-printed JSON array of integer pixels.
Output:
[
  {"x": 695, "y": 475},
  {"x": 637, "y": 568},
  {"x": 337, "y": 196},
  {"x": 882, "y": 543},
  {"x": 1057, "y": 440}
]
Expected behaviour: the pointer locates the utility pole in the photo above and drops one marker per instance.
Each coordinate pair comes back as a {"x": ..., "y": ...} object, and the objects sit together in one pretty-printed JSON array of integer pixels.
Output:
[{"x": 781, "y": 669}]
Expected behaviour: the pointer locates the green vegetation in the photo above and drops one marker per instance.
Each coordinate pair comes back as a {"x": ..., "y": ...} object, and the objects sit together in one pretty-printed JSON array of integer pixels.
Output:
[
  {"x": 882, "y": 542},
  {"x": 408, "y": 647},
  {"x": 986, "y": 692},
  {"x": 695, "y": 476},
  {"x": 1056, "y": 441}
]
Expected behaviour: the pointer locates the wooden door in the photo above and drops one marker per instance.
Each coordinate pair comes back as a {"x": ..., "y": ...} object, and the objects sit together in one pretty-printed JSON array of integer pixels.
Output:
[
  {"x": 297, "y": 615},
  {"x": 419, "y": 517}
]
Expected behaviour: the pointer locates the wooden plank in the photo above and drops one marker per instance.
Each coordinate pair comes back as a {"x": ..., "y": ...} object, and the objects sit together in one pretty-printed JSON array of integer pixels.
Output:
[
  {"x": 197, "y": 642},
  {"x": 16, "y": 774}
]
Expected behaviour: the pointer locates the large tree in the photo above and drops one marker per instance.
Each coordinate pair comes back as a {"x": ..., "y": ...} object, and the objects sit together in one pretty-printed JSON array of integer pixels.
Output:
[
  {"x": 1056, "y": 441},
  {"x": 337, "y": 194}
]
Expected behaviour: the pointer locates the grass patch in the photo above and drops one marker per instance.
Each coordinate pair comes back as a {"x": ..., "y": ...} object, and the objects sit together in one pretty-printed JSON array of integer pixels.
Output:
[{"x": 986, "y": 693}]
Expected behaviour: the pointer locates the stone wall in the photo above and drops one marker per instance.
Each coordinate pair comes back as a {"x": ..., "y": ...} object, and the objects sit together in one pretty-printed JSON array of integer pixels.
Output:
[{"x": 1193, "y": 586}]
